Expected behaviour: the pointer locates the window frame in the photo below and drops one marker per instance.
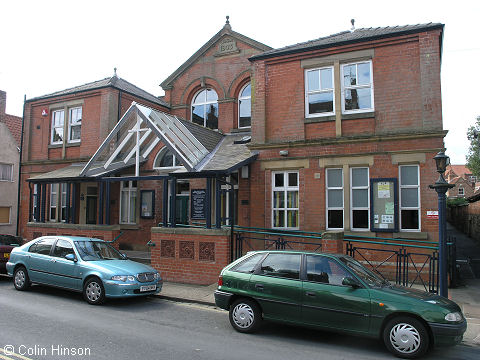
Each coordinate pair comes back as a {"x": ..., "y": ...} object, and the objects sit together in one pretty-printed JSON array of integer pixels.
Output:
[
  {"x": 320, "y": 91},
  {"x": 34, "y": 199},
  {"x": 69, "y": 130},
  {"x": 130, "y": 190},
  {"x": 352, "y": 208},
  {"x": 9, "y": 215},
  {"x": 244, "y": 98},
  {"x": 6, "y": 165},
  {"x": 162, "y": 152},
  {"x": 286, "y": 188},
  {"x": 461, "y": 191},
  {"x": 53, "y": 127},
  {"x": 343, "y": 87},
  {"x": 62, "y": 187},
  {"x": 418, "y": 208},
  {"x": 206, "y": 102},
  {"x": 53, "y": 204},
  {"x": 327, "y": 207}
]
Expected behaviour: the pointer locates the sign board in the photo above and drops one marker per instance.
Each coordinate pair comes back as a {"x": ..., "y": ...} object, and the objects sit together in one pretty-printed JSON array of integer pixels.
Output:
[
  {"x": 147, "y": 204},
  {"x": 198, "y": 197},
  {"x": 433, "y": 215},
  {"x": 383, "y": 205}
]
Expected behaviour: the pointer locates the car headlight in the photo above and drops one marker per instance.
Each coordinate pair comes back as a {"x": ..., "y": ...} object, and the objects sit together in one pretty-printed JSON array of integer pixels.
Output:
[
  {"x": 156, "y": 276},
  {"x": 455, "y": 316},
  {"x": 123, "y": 278}
]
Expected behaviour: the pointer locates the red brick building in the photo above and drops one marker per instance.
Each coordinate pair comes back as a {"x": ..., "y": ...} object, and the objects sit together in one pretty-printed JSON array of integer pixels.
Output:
[{"x": 334, "y": 134}]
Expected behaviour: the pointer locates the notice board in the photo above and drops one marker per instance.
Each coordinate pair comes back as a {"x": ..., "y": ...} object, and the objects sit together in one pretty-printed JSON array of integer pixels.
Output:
[
  {"x": 198, "y": 204},
  {"x": 384, "y": 205}
]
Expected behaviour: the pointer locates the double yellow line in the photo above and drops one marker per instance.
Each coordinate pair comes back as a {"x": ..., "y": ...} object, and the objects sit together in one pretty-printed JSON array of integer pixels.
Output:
[{"x": 12, "y": 356}]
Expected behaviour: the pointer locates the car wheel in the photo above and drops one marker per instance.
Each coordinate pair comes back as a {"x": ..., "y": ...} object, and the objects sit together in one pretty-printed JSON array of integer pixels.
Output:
[
  {"x": 406, "y": 337},
  {"x": 21, "y": 281},
  {"x": 94, "y": 292},
  {"x": 245, "y": 315}
]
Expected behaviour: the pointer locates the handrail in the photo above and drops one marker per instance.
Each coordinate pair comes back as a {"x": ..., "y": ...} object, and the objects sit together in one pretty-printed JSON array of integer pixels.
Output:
[
  {"x": 389, "y": 239},
  {"x": 395, "y": 244}
]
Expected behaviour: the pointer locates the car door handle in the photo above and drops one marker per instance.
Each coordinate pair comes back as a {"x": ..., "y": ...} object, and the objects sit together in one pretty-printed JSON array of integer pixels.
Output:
[
  {"x": 259, "y": 286},
  {"x": 309, "y": 293},
  {"x": 53, "y": 260}
]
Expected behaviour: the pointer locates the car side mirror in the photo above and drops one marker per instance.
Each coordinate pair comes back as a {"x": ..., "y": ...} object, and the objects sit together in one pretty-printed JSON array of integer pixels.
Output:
[
  {"x": 348, "y": 281},
  {"x": 124, "y": 257},
  {"x": 71, "y": 257}
]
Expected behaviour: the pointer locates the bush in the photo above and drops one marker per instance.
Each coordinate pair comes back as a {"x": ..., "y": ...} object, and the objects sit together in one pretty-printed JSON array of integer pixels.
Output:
[{"x": 457, "y": 202}]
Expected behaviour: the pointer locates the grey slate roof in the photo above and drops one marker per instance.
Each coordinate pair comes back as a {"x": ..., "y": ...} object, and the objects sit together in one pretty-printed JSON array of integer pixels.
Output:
[
  {"x": 114, "y": 82},
  {"x": 68, "y": 172},
  {"x": 345, "y": 37},
  {"x": 209, "y": 138}
]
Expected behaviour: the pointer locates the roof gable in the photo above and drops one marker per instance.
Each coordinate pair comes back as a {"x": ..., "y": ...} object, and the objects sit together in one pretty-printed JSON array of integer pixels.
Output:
[
  {"x": 14, "y": 125},
  {"x": 225, "y": 33}
]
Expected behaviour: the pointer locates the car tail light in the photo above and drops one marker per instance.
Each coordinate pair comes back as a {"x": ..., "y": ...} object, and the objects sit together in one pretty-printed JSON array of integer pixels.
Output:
[{"x": 220, "y": 280}]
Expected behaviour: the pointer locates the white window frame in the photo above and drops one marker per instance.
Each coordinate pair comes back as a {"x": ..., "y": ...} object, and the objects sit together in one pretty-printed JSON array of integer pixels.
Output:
[
  {"x": 352, "y": 208},
  {"x": 34, "y": 206},
  {"x": 370, "y": 86},
  {"x": 285, "y": 188},
  {"x": 4, "y": 172},
  {"x": 461, "y": 191},
  {"x": 57, "y": 127},
  {"x": 130, "y": 190},
  {"x": 308, "y": 92},
  {"x": 400, "y": 198},
  {"x": 9, "y": 215},
  {"x": 70, "y": 125},
  {"x": 63, "y": 204},
  {"x": 53, "y": 204},
  {"x": 206, "y": 102},
  {"x": 162, "y": 153},
  {"x": 326, "y": 199},
  {"x": 240, "y": 98}
]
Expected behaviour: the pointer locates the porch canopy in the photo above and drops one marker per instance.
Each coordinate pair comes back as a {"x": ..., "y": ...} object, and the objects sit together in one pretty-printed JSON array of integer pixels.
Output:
[{"x": 204, "y": 153}]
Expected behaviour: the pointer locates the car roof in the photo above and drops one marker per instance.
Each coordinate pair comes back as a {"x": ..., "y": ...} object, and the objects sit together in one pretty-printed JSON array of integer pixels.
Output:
[
  {"x": 337, "y": 255},
  {"x": 73, "y": 238}
]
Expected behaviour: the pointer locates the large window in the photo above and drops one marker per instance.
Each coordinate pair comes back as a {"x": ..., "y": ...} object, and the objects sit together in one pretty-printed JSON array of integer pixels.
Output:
[
  {"x": 245, "y": 107},
  {"x": 35, "y": 199},
  {"x": 409, "y": 197},
  {"x": 6, "y": 172},
  {"x": 357, "y": 87},
  {"x": 74, "y": 124},
  {"x": 166, "y": 159},
  {"x": 360, "y": 200},
  {"x": 205, "y": 109},
  {"x": 58, "y": 119},
  {"x": 285, "y": 204},
  {"x": 319, "y": 94},
  {"x": 334, "y": 198},
  {"x": 5, "y": 214},
  {"x": 53, "y": 201},
  {"x": 128, "y": 202},
  {"x": 63, "y": 202}
]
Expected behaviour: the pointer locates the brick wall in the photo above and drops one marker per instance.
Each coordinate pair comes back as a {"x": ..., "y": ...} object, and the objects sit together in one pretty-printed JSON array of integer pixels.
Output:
[{"x": 194, "y": 256}]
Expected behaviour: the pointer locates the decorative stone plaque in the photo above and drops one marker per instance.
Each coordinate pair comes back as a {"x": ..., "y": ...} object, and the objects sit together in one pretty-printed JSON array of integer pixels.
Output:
[
  {"x": 207, "y": 251},
  {"x": 167, "y": 248},
  {"x": 187, "y": 250},
  {"x": 226, "y": 47}
]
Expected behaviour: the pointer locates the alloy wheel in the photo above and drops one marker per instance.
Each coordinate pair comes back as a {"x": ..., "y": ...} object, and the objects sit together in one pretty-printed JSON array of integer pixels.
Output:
[
  {"x": 20, "y": 279},
  {"x": 93, "y": 291}
]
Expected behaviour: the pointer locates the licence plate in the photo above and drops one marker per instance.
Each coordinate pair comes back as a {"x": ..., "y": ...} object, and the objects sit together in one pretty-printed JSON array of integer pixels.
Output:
[
  {"x": 6, "y": 255},
  {"x": 148, "y": 288}
]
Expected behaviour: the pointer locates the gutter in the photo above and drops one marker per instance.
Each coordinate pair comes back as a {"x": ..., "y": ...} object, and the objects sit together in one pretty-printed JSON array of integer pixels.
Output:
[{"x": 20, "y": 166}]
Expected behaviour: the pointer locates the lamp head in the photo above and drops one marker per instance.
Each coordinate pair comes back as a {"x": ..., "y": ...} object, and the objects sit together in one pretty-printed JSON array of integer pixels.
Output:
[{"x": 441, "y": 161}]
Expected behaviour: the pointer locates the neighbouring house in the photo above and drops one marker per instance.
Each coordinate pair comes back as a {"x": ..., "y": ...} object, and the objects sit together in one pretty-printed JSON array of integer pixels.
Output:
[
  {"x": 333, "y": 134},
  {"x": 10, "y": 138},
  {"x": 463, "y": 179}
]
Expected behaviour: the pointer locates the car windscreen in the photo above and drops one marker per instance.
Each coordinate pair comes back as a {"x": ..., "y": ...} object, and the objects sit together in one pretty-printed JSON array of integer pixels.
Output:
[
  {"x": 97, "y": 250},
  {"x": 362, "y": 272},
  {"x": 9, "y": 240}
]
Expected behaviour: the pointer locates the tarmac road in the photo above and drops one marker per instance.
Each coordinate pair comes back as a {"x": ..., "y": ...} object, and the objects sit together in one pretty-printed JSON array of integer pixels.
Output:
[{"x": 46, "y": 323}]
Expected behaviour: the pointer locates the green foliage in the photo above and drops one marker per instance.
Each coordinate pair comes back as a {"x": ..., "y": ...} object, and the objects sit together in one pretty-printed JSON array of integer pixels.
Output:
[
  {"x": 456, "y": 202},
  {"x": 473, "y": 156}
]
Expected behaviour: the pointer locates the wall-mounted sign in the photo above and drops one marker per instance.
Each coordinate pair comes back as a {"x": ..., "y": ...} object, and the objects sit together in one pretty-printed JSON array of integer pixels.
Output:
[
  {"x": 432, "y": 215},
  {"x": 198, "y": 211},
  {"x": 384, "y": 205},
  {"x": 44, "y": 112},
  {"x": 147, "y": 204}
]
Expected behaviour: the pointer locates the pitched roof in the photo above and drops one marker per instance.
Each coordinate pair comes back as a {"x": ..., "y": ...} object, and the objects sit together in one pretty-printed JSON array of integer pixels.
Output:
[
  {"x": 226, "y": 30},
  {"x": 459, "y": 170},
  {"x": 346, "y": 37},
  {"x": 14, "y": 124},
  {"x": 114, "y": 82}
]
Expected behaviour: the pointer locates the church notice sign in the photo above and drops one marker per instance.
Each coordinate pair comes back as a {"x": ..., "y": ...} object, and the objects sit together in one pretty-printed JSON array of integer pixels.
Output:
[{"x": 198, "y": 204}]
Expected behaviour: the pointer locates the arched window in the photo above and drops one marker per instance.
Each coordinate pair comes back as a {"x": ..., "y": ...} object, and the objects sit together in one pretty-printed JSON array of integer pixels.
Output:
[
  {"x": 245, "y": 107},
  {"x": 205, "y": 109},
  {"x": 166, "y": 159}
]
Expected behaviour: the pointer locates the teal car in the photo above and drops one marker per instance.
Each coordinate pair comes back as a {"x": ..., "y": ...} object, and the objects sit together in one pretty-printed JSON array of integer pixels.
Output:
[
  {"x": 335, "y": 292},
  {"x": 87, "y": 265}
]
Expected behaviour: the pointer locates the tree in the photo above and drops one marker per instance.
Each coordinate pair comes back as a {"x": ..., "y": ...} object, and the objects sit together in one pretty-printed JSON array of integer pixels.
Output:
[{"x": 473, "y": 156}]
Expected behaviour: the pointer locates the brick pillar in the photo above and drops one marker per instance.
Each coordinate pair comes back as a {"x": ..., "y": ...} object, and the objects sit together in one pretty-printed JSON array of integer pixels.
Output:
[{"x": 332, "y": 242}]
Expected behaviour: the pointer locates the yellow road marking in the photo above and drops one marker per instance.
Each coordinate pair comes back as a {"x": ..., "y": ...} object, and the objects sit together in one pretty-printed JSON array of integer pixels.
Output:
[{"x": 18, "y": 356}]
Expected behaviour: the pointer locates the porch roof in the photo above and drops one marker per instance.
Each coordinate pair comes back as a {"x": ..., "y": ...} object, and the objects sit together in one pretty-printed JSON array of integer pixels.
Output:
[{"x": 71, "y": 172}]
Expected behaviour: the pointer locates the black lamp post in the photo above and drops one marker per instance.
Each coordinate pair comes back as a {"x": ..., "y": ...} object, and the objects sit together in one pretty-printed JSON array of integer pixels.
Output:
[{"x": 441, "y": 187}]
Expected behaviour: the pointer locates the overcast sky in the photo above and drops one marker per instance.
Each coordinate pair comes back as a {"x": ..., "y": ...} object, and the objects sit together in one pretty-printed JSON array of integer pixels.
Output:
[{"x": 53, "y": 45}]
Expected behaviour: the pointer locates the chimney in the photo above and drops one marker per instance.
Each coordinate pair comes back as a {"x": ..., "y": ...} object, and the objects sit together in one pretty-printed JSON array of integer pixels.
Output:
[{"x": 3, "y": 104}]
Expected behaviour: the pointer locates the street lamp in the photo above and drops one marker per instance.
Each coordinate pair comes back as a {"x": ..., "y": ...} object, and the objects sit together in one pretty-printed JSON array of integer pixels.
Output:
[{"x": 441, "y": 187}]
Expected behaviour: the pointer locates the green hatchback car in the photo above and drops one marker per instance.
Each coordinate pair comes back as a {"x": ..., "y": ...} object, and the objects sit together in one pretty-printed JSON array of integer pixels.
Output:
[{"x": 335, "y": 292}]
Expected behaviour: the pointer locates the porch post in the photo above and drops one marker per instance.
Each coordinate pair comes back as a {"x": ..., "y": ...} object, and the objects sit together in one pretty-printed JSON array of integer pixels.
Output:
[
  {"x": 107, "y": 203},
  {"x": 44, "y": 202},
  {"x": 74, "y": 203},
  {"x": 208, "y": 204},
  {"x": 67, "y": 203},
  {"x": 218, "y": 213},
  {"x": 173, "y": 204},
  {"x": 100, "y": 204},
  {"x": 30, "y": 217},
  {"x": 165, "y": 203}
]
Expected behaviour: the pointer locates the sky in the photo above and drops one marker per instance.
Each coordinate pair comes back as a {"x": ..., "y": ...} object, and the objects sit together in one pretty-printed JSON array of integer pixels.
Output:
[{"x": 50, "y": 45}]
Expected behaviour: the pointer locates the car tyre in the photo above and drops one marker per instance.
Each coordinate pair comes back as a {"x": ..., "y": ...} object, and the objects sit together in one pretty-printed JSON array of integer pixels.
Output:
[
  {"x": 93, "y": 291},
  {"x": 21, "y": 281},
  {"x": 406, "y": 337},
  {"x": 245, "y": 315}
]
